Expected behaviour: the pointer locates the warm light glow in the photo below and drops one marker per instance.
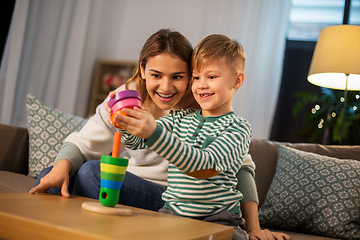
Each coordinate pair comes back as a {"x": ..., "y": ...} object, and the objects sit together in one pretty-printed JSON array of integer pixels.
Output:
[
  {"x": 335, "y": 80},
  {"x": 333, "y": 114},
  {"x": 317, "y": 107},
  {"x": 337, "y": 54}
]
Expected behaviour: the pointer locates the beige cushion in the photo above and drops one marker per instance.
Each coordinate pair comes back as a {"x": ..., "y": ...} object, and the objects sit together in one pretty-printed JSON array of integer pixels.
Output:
[{"x": 13, "y": 182}]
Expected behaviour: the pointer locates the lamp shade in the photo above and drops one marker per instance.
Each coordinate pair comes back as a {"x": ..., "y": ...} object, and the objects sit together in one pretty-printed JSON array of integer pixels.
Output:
[{"x": 337, "y": 54}]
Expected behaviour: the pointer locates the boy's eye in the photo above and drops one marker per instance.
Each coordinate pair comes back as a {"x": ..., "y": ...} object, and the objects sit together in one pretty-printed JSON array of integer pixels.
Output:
[
  {"x": 212, "y": 77},
  {"x": 195, "y": 78}
]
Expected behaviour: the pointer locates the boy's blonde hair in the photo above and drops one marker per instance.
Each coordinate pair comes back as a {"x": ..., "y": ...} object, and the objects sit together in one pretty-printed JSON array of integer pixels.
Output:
[{"x": 216, "y": 46}]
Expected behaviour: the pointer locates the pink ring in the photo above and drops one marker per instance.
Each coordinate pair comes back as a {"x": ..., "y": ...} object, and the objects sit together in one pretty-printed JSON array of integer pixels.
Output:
[
  {"x": 126, "y": 103},
  {"x": 124, "y": 95}
]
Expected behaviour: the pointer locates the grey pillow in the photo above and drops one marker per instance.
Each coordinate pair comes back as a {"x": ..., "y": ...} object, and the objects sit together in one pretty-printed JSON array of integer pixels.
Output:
[
  {"x": 48, "y": 127},
  {"x": 315, "y": 194}
]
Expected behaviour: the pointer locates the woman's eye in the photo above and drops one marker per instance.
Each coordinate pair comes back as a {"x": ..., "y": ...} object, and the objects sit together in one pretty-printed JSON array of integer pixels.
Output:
[
  {"x": 177, "y": 77},
  {"x": 155, "y": 75}
]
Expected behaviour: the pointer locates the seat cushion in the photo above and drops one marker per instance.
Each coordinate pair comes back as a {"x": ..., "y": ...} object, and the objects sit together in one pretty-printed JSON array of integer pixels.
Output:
[{"x": 15, "y": 183}]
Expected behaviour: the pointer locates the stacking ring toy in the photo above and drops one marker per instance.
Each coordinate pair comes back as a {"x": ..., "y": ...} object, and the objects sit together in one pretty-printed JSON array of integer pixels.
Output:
[
  {"x": 112, "y": 173},
  {"x": 124, "y": 99}
]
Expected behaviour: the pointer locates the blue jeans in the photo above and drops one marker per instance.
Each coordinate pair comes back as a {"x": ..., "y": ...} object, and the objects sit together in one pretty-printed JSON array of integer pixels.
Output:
[{"x": 134, "y": 192}]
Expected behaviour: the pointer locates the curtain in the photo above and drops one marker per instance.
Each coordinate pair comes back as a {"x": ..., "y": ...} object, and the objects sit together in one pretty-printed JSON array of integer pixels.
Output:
[
  {"x": 53, "y": 46},
  {"x": 43, "y": 56},
  {"x": 264, "y": 38}
]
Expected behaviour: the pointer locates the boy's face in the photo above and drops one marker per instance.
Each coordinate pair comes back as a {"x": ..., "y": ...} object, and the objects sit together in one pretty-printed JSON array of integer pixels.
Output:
[{"x": 214, "y": 87}]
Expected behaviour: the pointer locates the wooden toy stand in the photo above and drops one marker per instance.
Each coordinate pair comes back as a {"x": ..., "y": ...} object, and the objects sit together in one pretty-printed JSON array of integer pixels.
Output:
[{"x": 98, "y": 208}]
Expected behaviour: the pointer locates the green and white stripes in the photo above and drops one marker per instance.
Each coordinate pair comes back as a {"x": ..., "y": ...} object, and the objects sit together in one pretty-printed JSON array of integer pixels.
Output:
[{"x": 191, "y": 142}]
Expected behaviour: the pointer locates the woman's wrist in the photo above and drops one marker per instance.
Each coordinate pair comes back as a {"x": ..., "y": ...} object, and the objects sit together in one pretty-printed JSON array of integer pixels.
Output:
[{"x": 64, "y": 164}]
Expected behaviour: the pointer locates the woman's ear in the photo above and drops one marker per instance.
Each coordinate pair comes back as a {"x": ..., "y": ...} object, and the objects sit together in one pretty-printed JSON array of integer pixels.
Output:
[
  {"x": 240, "y": 78},
  {"x": 142, "y": 71}
]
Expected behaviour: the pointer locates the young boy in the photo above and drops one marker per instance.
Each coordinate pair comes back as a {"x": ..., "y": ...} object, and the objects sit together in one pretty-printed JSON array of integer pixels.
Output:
[{"x": 205, "y": 148}]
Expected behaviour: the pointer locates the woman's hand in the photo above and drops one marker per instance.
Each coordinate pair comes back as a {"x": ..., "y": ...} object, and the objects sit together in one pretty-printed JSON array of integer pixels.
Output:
[
  {"x": 107, "y": 108},
  {"x": 267, "y": 235},
  {"x": 57, "y": 177},
  {"x": 138, "y": 122}
]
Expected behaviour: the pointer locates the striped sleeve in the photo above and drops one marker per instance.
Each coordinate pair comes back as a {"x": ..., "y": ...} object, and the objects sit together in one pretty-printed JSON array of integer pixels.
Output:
[
  {"x": 229, "y": 148},
  {"x": 132, "y": 142}
]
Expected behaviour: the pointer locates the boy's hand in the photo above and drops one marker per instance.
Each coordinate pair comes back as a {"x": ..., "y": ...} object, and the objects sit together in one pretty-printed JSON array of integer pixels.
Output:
[
  {"x": 107, "y": 108},
  {"x": 139, "y": 122}
]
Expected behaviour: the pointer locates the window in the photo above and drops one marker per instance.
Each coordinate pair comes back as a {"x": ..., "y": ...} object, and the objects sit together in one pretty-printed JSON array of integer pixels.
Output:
[
  {"x": 354, "y": 18},
  {"x": 309, "y": 17}
]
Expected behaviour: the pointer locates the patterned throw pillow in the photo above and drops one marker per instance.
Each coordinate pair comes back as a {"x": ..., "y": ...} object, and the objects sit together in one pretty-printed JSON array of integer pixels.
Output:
[
  {"x": 47, "y": 128},
  {"x": 314, "y": 194}
]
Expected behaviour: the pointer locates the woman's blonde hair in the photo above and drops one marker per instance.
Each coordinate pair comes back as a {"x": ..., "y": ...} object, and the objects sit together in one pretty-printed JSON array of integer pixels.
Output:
[
  {"x": 216, "y": 46},
  {"x": 163, "y": 41}
]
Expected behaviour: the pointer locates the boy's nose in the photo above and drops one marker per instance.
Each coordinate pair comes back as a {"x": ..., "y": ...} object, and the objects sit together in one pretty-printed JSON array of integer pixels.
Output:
[{"x": 202, "y": 83}]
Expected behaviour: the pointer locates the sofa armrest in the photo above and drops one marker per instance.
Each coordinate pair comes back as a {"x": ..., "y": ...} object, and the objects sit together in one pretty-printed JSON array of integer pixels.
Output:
[{"x": 14, "y": 145}]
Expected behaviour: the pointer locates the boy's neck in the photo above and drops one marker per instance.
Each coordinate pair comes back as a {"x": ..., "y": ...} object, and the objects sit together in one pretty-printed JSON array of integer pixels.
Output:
[{"x": 205, "y": 115}]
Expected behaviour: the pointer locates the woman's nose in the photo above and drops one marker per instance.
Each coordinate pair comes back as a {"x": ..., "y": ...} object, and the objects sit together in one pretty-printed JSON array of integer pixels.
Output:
[{"x": 166, "y": 84}]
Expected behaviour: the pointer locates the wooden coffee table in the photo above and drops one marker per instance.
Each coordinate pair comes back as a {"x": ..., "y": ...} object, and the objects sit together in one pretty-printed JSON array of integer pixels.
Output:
[{"x": 47, "y": 216}]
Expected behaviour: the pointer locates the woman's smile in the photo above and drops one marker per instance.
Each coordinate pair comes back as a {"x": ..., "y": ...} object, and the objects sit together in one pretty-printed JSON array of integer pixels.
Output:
[{"x": 166, "y": 97}]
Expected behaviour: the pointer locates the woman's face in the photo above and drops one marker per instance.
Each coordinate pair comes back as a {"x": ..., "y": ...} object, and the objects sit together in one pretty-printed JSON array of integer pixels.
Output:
[{"x": 167, "y": 78}]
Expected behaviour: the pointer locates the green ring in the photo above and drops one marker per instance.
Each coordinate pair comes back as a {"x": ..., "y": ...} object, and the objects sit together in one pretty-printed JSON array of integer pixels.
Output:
[
  {"x": 109, "y": 197},
  {"x": 115, "y": 161},
  {"x": 112, "y": 176}
]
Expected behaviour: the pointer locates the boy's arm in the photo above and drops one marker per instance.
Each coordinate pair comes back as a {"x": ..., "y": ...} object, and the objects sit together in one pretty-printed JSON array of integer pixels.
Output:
[
  {"x": 228, "y": 149},
  {"x": 133, "y": 142}
]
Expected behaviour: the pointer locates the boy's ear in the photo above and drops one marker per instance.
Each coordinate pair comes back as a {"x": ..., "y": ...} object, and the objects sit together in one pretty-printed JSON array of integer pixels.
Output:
[
  {"x": 142, "y": 71},
  {"x": 240, "y": 78}
]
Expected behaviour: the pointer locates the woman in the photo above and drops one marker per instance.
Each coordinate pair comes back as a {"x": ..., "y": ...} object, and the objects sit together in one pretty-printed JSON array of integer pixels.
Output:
[{"x": 165, "y": 57}]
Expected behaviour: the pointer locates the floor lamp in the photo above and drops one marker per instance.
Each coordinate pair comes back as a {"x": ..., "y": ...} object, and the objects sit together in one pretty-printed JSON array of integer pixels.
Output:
[{"x": 336, "y": 61}]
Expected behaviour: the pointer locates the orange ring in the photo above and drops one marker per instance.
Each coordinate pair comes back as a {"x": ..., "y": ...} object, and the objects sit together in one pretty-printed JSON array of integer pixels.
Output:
[{"x": 113, "y": 116}]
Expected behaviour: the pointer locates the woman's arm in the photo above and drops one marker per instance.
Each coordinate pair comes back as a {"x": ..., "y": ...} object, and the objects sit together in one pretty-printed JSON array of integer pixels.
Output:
[{"x": 249, "y": 203}]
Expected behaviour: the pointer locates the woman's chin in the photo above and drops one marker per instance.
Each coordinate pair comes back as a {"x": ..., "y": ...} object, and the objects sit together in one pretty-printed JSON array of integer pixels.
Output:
[{"x": 165, "y": 105}]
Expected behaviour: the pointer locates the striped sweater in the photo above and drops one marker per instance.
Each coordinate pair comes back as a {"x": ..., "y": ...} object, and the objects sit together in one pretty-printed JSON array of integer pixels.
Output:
[{"x": 191, "y": 142}]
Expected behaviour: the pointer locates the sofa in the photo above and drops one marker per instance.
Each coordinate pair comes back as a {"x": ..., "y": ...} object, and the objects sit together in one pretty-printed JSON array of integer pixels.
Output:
[{"x": 14, "y": 155}]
